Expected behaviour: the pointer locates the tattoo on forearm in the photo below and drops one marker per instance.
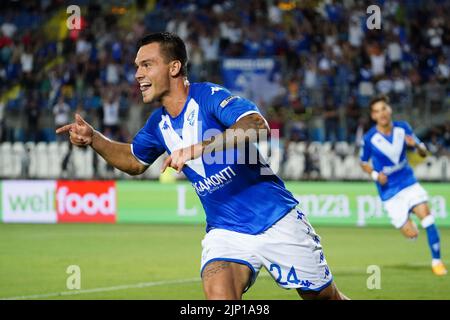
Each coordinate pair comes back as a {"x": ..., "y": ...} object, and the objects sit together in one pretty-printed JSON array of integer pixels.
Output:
[
  {"x": 248, "y": 129},
  {"x": 252, "y": 121}
]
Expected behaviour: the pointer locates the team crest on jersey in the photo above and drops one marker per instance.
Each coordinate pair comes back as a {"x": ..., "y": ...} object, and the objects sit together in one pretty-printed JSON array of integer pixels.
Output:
[
  {"x": 191, "y": 118},
  {"x": 215, "y": 89}
]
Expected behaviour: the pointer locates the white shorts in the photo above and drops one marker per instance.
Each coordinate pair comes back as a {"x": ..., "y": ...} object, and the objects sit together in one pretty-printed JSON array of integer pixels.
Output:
[
  {"x": 400, "y": 206},
  {"x": 290, "y": 251}
]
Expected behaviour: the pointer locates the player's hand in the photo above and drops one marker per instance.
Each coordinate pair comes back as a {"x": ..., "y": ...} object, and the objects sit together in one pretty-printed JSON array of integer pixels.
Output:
[
  {"x": 80, "y": 131},
  {"x": 410, "y": 141},
  {"x": 382, "y": 178},
  {"x": 179, "y": 157}
]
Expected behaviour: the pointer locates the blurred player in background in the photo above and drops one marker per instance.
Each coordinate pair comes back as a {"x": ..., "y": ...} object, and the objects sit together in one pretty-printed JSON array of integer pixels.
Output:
[
  {"x": 252, "y": 219},
  {"x": 386, "y": 144}
]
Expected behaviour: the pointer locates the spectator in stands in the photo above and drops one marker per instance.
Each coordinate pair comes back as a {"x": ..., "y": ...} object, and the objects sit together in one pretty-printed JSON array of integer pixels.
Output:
[
  {"x": 352, "y": 116},
  {"x": 443, "y": 69},
  {"x": 33, "y": 114},
  {"x": 111, "y": 114},
  {"x": 61, "y": 111},
  {"x": 328, "y": 47},
  {"x": 8, "y": 28},
  {"x": 331, "y": 120},
  {"x": 312, "y": 164}
]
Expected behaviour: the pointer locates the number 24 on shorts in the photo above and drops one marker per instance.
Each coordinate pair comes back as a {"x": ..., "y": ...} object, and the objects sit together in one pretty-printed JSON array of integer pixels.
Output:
[{"x": 291, "y": 276}]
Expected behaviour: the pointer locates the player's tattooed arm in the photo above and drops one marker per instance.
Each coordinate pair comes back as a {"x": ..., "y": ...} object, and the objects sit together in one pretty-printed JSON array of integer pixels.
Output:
[
  {"x": 250, "y": 128},
  {"x": 253, "y": 121}
]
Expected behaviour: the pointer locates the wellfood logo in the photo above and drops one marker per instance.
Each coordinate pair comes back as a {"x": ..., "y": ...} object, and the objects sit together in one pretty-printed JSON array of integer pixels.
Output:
[
  {"x": 29, "y": 201},
  {"x": 79, "y": 201}
]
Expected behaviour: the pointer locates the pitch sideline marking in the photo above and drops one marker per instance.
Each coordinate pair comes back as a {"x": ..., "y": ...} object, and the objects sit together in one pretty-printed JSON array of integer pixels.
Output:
[
  {"x": 103, "y": 289},
  {"x": 107, "y": 289}
]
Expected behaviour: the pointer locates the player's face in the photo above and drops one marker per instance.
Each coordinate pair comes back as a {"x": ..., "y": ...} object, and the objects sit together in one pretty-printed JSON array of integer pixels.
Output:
[
  {"x": 152, "y": 72},
  {"x": 381, "y": 113}
]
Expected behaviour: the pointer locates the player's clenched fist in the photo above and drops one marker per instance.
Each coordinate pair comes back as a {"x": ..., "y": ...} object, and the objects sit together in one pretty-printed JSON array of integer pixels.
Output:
[
  {"x": 382, "y": 178},
  {"x": 80, "y": 131}
]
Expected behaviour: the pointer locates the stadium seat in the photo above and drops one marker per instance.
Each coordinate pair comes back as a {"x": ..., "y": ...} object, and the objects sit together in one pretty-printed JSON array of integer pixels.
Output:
[
  {"x": 82, "y": 163},
  {"x": 326, "y": 146},
  {"x": 5, "y": 159},
  {"x": 21, "y": 160},
  {"x": 353, "y": 171},
  {"x": 295, "y": 162},
  {"x": 342, "y": 148},
  {"x": 11, "y": 163},
  {"x": 327, "y": 163},
  {"x": 338, "y": 165},
  {"x": 431, "y": 169},
  {"x": 446, "y": 164},
  {"x": 300, "y": 147},
  {"x": 42, "y": 160},
  {"x": 315, "y": 147},
  {"x": 55, "y": 160}
]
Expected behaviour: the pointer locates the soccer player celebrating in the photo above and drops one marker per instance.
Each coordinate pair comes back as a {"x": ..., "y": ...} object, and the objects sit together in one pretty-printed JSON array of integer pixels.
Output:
[
  {"x": 252, "y": 219},
  {"x": 386, "y": 145}
]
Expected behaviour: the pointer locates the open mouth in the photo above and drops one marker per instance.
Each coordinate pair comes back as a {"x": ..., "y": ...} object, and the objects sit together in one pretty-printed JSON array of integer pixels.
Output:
[{"x": 145, "y": 86}]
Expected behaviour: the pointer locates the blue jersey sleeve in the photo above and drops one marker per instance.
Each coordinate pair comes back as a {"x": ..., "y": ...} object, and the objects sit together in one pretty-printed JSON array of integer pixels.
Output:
[
  {"x": 365, "y": 151},
  {"x": 227, "y": 108},
  {"x": 146, "y": 146}
]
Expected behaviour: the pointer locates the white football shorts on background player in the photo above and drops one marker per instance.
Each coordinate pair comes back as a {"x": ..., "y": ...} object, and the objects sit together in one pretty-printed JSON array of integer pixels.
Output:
[
  {"x": 400, "y": 205},
  {"x": 290, "y": 250}
]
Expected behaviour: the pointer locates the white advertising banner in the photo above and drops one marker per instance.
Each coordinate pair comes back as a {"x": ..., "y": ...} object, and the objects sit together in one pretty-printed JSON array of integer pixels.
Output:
[{"x": 29, "y": 201}]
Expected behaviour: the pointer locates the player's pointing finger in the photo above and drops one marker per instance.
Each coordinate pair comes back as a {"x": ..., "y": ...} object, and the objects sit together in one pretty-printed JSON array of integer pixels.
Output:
[
  {"x": 65, "y": 128},
  {"x": 79, "y": 120}
]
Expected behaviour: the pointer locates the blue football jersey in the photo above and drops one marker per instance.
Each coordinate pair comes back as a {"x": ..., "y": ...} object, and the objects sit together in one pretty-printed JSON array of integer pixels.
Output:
[
  {"x": 388, "y": 153},
  {"x": 234, "y": 195}
]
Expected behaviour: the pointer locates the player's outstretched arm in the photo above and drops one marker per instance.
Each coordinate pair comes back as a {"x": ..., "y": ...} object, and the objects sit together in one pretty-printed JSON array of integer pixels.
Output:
[{"x": 115, "y": 153}]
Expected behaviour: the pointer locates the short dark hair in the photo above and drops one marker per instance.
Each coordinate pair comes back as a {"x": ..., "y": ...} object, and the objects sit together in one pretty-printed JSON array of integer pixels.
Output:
[
  {"x": 380, "y": 98},
  {"x": 172, "y": 47}
]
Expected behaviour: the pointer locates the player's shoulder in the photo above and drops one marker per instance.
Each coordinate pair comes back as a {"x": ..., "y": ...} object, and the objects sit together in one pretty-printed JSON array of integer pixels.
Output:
[
  {"x": 207, "y": 88},
  {"x": 369, "y": 134}
]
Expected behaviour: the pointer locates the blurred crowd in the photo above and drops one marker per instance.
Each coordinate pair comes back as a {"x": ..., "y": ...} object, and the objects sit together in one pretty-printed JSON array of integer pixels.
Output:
[{"x": 331, "y": 63}]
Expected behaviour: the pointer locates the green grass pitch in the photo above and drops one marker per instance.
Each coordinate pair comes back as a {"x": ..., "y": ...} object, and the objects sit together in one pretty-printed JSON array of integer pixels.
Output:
[{"x": 162, "y": 262}]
